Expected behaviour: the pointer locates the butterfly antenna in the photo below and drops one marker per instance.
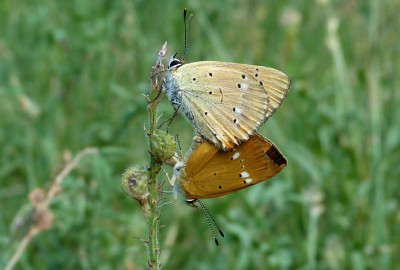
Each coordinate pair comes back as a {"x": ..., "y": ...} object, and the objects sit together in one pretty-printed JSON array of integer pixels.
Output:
[
  {"x": 179, "y": 145},
  {"x": 187, "y": 32},
  {"x": 175, "y": 114},
  {"x": 216, "y": 224},
  {"x": 208, "y": 216},
  {"x": 169, "y": 120}
]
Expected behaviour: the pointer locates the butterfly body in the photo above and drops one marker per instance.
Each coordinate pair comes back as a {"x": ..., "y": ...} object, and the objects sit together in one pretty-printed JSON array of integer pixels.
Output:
[
  {"x": 225, "y": 102},
  {"x": 208, "y": 172}
]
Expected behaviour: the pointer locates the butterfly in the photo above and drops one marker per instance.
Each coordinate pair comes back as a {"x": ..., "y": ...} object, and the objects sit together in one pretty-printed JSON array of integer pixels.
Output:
[
  {"x": 225, "y": 102},
  {"x": 208, "y": 172}
]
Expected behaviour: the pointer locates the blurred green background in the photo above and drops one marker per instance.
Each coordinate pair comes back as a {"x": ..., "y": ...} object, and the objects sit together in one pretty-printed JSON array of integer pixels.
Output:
[{"x": 73, "y": 74}]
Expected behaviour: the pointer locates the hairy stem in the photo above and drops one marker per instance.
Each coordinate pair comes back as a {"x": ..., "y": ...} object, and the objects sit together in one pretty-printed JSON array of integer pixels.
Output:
[{"x": 155, "y": 167}]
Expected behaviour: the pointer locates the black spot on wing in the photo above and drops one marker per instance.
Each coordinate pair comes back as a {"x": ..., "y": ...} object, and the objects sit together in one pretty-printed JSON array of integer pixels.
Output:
[{"x": 276, "y": 156}]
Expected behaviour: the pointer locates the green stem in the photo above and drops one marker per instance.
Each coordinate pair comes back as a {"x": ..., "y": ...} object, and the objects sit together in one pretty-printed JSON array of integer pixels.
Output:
[{"x": 154, "y": 215}]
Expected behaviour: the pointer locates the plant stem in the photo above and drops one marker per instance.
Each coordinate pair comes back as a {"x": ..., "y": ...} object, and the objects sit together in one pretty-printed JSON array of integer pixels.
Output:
[{"x": 154, "y": 216}]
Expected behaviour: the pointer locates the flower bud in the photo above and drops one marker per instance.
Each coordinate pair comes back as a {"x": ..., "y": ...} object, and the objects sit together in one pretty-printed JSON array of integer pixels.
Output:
[{"x": 163, "y": 146}]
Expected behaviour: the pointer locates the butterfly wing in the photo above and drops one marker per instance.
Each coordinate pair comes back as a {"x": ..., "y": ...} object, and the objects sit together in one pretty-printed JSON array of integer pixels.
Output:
[
  {"x": 275, "y": 83},
  {"x": 212, "y": 173},
  {"x": 227, "y": 102}
]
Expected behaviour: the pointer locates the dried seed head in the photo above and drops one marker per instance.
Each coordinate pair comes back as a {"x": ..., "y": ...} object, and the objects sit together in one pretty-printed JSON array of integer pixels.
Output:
[{"x": 135, "y": 184}]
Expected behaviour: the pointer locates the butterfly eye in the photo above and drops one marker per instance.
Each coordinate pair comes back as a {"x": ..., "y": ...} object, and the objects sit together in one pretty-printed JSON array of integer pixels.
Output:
[
  {"x": 179, "y": 166},
  {"x": 174, "y": 63}
]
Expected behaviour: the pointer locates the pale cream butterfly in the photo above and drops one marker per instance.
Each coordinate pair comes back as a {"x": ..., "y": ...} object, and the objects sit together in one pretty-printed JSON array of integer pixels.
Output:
[{"x": 225, "y": 102}]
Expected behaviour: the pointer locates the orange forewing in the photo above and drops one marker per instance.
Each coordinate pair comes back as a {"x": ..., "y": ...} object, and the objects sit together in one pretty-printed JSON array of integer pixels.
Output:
[{"x": 210, "y": 172}]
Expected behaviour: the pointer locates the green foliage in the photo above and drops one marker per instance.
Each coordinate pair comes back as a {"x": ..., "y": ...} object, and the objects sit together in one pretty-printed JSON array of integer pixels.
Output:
[{"x": 73, "y": 74}]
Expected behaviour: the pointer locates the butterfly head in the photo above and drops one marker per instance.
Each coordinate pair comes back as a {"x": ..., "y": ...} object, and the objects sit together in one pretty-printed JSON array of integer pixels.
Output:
[
  {"x": 178, "y": 168},
  {"x": 174, "y": 62},
  {"x": 180, "y": 181}
]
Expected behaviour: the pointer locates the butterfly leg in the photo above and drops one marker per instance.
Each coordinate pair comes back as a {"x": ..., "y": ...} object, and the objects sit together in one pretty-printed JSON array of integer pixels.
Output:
[
  {"x": 171, "y": 181},
  {"x": 198, "y": 138}
]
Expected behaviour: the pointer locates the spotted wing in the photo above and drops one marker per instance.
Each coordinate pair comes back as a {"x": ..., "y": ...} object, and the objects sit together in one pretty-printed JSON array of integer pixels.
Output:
[
  {"x": 225, "y": 104},
  {"x": 275, "y": 83},
  {"x": 212, "y": 173}
]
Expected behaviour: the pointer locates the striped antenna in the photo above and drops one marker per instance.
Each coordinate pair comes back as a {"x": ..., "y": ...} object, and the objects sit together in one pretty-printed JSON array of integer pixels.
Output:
[
  {"x": 187, "y": 32},
  {"x": 208, "y": 216}
]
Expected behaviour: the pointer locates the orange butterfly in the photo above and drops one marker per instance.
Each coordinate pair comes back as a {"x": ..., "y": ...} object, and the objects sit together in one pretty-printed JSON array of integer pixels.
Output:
[{"x": 209, "y": 172}]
